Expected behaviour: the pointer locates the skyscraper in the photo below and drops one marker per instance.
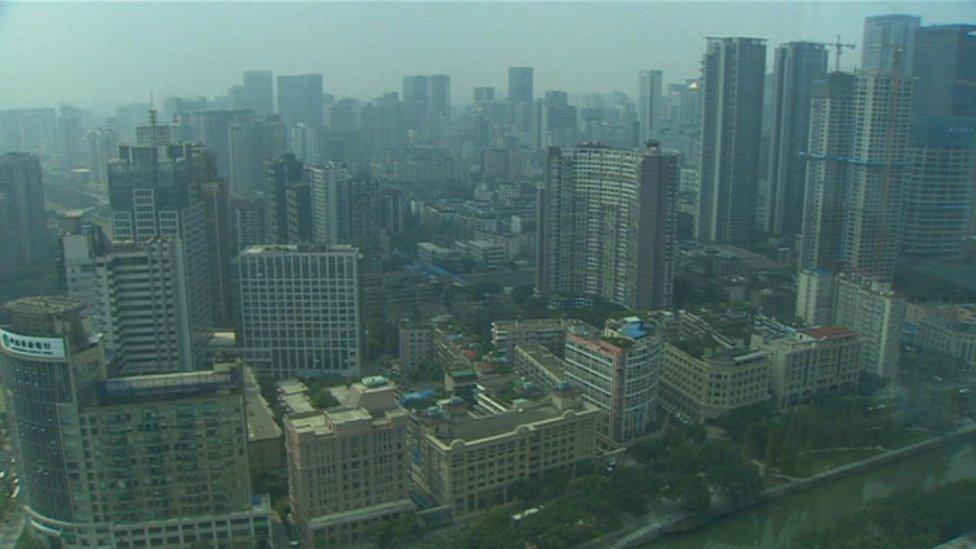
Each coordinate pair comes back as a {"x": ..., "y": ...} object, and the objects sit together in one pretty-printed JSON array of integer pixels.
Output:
[
  {"x": 347, "y": 207},
  {"x": 939, "y": 186},
  {"x": 254, "y": 141},
  {"x": 156, "y": 192},
  {"x": 23, "y": 190},
  {"x": 649, "y": 102},
  {"x": 797, "y": 66},
  {"x": 944, "y": 69},
  {"x": 213, "y": 129},
  {"x": 258, "y": 93},
  {"x": 606, "y": 226},
  {"x": 873, "y": 223},
  {"x": 827, "y": 169},
  {"x": 168, "y": 451},
  {"x": 103, "y": 146},
  {"x": 856, "y": 166},
  {"x": 888, "y": 43},
  {"x": 439, "y": 111},
  {"x": 301, "y": 306},
  {"x": 281, "y": 173},
  {"x": 733, "y": 72},
  {"x": 300, "y": 99},
  {"x": 520, "y": 85}
]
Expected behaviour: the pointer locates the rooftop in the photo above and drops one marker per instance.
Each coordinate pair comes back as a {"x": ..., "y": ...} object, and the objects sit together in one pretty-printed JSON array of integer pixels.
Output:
[
  {"x": 827, "y": 332},
  {"x": 474, "y": 429},
  {"x": 44, "y": 305}
]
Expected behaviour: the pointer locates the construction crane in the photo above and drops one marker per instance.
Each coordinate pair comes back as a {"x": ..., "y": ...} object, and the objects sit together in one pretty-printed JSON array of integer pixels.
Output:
[{"x": 838, "y": 48}]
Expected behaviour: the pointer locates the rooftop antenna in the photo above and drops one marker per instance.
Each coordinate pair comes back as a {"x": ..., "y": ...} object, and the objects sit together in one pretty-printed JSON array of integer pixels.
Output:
[{"x": 153, "y": 121}]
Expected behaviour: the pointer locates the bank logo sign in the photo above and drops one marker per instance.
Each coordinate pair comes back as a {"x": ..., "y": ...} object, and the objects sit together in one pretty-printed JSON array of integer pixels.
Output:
[{"x": 46, "y": 347}]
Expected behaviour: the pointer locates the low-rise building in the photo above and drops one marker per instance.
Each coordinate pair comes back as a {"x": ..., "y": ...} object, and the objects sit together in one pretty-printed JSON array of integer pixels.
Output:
[
  {"x": 950, "y": 330},
  {"x": 810, "y": 362},
  {"x": 469, "y": 464},
  {"x": 548, "y": 332},
  {"x": 701, "y": 383},
  {"x": 348, "y": 465},
  {"x": 538, "y": 365},
  {"x": 416, "y": 344},
  {"x": 484, "y": 255},
  {"x": 617, "y": 371}
]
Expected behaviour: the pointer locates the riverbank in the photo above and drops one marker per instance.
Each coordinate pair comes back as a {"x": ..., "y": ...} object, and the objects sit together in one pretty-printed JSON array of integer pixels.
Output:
[{"x": 652, "y": 527}]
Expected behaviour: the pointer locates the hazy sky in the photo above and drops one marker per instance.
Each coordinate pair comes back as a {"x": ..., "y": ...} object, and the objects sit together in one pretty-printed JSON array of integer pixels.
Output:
[{"x": 92, "y": 53}]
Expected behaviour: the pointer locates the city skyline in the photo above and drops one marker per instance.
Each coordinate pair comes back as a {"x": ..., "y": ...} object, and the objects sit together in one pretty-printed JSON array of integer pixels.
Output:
[{"x": 475, "y": 44}]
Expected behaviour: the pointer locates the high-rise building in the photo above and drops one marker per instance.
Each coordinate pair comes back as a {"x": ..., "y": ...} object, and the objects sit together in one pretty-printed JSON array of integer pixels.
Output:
[
  {"x": 167, "y": 451},
  {"x": 617, "y": 371},
  {"x": 248, "y": 226},
  {"x": 136, "y": 296},
  {"x": 282, "y": 173},
  {"x": 733, "y": 73},
  {"x": 555, "y": 123},
  {"x": 258, "y": 92},
  {"x": 939, "y": 186},
  {"x": 367, "y": 476},
  {"x": 888, "y": 43},
  {"x": 869, "y": 307},
  {"x": 427, "y": 104},
  {"x": 797, "y": 66},
  {"x": 254, "y": 141},
  {"x": 28, "y": 130},
  {"x": 484, "y": 93},
  {"x": 856, "y": 163},
  {"x": 23, "y": 190},
  {"x": 300, "y": 100},
  {"x": 649, "y": 103},
  {"x": 520, "y": 85},
  {"x": 383, "y": 124},
  {"x": 157, "y": 192},
  {"x": 827, "y": 171},
  {"x": 347, "y": 207},
  {"x": 213, "y": 129},
  {"x": 606, "y": 226},
  {"x": 220, "y": 247},
  {"x": 301, "y": 305},
  {"x": 103, "y": 146},
  {"x": 873, "y": 225},
  {"x": 944, "y": 68},
  {"x": 816, "y": 297}
]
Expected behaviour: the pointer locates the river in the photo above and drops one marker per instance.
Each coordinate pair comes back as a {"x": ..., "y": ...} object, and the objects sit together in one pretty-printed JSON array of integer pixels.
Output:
[{"x": 775, "y": 524}]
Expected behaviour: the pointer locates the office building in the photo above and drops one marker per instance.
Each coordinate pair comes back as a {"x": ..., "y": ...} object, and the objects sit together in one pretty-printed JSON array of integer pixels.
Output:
[
  {"x": 103, "y": 147},
  {"x": 617, "y": 371},
  {"x": 939, "y": 187},
  {"x": 28, "y": 130},
  {"x": 868, "y": 306},
  {"x": 123, "y": 462},
  {"x": 301, "y": 305},
  {"x": 348, "y": 466},
  {"x": 797, "y": 65},
  {"x": 650, "y": 104},
  {"x": 347, "y": 207},
  {"x": 538, "y": 365},
  {"x": 383, "y": 125},
  {"x": 26, "y": 236},
  {"x": 254, "y": 142},
  {"x": 247, "y": 222},
  {"x": 213, "y": 129},
  {"x": 827, "y": 171},
  {"x": 944, "y": 62},
  {"x": 811, "y": 362},
  {"x": 220, "y": 247},
  {"x": 607, "y": 226},
  {"x": 555, "y": 121},
  {"x": 733, "y": 74},
  {"x": 470, "y": 464},
  {"x": 520, "y": 85},
  {"x": 888, "y": 43},
  {"x": 157, "y": 192},
  {"x": 701, "y": 382},
  {"x": 427, "y": 105},
  {"x": 484, "y": 93},
  {"x": 282, "y": 174},
  {"x": 258, "y": 92},
  {"x": 300, "y": 100}
]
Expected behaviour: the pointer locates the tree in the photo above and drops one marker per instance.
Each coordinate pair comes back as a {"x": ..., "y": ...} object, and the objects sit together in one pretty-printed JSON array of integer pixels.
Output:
[{"x": 692, "y": 494}]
